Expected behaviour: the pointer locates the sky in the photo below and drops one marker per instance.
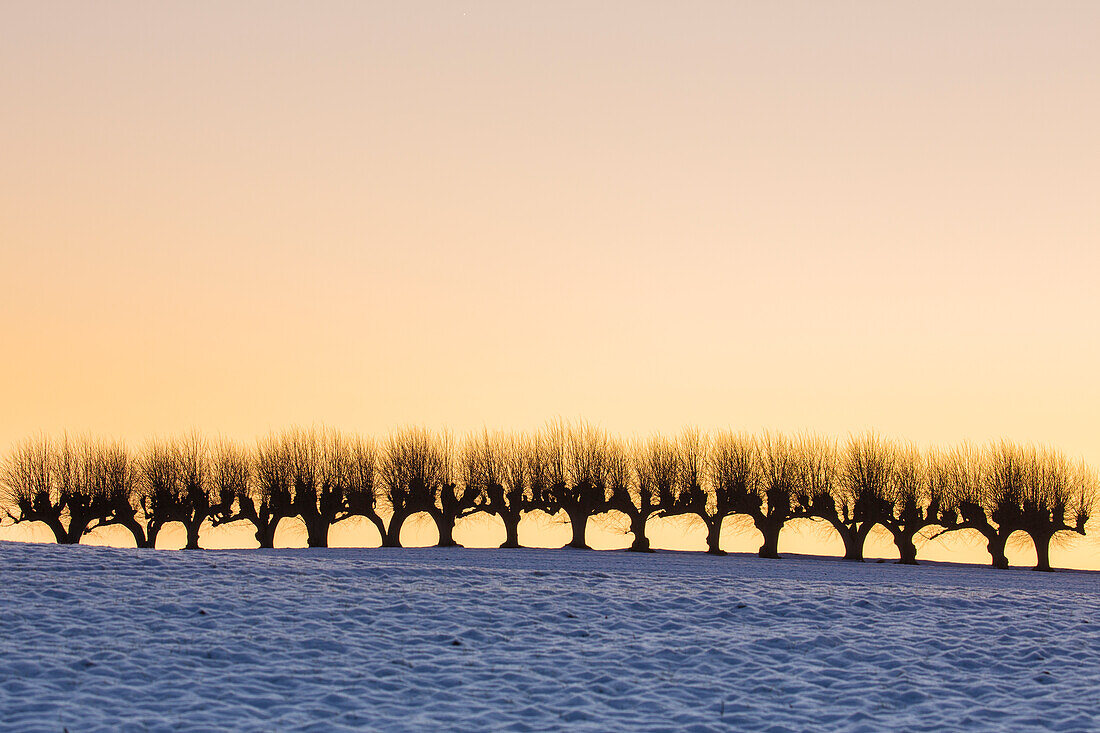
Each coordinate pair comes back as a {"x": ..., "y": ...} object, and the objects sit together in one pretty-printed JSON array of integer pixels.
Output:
[{"x": 787, "y": 215}]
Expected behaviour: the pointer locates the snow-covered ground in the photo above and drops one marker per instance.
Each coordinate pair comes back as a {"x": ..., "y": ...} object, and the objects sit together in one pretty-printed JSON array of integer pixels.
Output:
[{"x": 96, "y": 638}]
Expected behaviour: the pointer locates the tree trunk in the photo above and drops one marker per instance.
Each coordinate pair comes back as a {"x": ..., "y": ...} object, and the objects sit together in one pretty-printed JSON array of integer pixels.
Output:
[
  {"x": 135, "y": 529},
  {"x": 1042, "y": 551},
  {"x": 446, "y": 527},
  {"x": 265, "y": 534},
  {"x": 511, "y": 530},
  {"x": 59, "y": 534},
  {"x": 317, "y": 533},
  {"x": 714, "y": 536},
  {"x": 379, "y": 525},
  {"x": 770, "y": 548},
  {"x": 192, "y": 536},
  {"x": 578, "y": 521},
  {"x": 637, "y": 527},
  {"x": 907, "y": 549},
  {"x": 995, "y": 544},
  {"x": 151, "y": 532},
  {"x": 853, "y": 543},
  {"x": 78, "y": 525},
  {"x": 392, "y": 537}
]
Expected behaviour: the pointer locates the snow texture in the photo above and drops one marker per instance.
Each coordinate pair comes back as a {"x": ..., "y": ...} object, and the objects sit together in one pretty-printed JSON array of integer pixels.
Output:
[{"x": 105, "y": 639}]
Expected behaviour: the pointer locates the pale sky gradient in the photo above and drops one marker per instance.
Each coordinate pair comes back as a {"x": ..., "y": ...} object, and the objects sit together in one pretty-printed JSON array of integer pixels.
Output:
[{"x": 825, "y": 216}]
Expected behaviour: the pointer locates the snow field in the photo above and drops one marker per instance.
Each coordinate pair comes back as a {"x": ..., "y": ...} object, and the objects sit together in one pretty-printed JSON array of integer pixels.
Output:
[{"x": 98, "y": 639}]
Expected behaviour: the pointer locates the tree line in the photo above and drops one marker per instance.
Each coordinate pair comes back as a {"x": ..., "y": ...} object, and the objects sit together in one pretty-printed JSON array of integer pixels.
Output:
[{"x": 322, "y": 476}]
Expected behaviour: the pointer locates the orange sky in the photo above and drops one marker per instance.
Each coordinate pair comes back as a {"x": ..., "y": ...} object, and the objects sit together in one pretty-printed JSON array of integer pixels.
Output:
[{"x": 787, "y": 215}]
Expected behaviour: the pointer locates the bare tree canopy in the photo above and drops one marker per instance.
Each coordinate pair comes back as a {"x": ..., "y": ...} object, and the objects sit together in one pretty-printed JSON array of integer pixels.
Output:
[{"x": 322, "y": 476}]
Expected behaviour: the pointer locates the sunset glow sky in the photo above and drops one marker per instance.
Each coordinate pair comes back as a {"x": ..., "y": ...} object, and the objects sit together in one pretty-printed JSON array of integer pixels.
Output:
[{"x": 239, "y": 216}]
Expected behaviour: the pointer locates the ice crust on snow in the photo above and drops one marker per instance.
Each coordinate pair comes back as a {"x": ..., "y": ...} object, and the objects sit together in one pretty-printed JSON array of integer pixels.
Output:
[{"x": 102, "y": 639}]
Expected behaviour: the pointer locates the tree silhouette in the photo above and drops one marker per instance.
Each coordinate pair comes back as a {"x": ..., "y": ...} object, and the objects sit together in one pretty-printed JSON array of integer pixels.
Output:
[
  {"x": 648, "y": 487},
  {"x": 318, "y": 464},
  {"x": 1058, "y": 497},
  {"x": 499, "y": 471},
  {"x": 175, "y": 486},
  {"x": 116, "y": 483},
  {"x": 232, "y": 476},
  {"x": 577, "y": 465},
  {"x": 269, "y": 499},
  {"x": 779, "y": 480},
  {"x": 357, "y": 475},
  {"x": 717, "y": 480},
  {"x": 1037, "y": 491},
  {"x": 858, "y": 498},
  {"x": 159, "y": 492},
  {"x": 192, "y": 454},
  {"x": 978, "y": 481},
  {"x": 417, "y": 475},
  {"x": 818, "y": 475},
  {"x": 54, "y": 483},
  {"x": 915, "y": 499},
  {"x": 30, "y": 489}
]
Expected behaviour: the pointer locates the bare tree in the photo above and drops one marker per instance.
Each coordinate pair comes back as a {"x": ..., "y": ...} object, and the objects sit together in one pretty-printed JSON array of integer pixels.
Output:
[
  {"x": 818, "y": 470},
  {"x": 978, "y": 481},
  {"x": 230, "y": 474},
  {"x": 159, "y": 493},
  {"x": 577, "y": 466},
  {"x": 192, "y": 454},
  {"x": 358, "y": 478},
  {"x": 780, "y": 480},
  {"x": 647, "y": 486},
  {"x": 1057, "y": 498},
  {"x": 30, "y": 490},
  {"x": 317, "y": 460},
  {"x": 858, "y": 499},
  {"x": 717, "y": 480},
  {"x": 29, "y": 493},
  {"x": 232, "y": 479},
  {"x": 915, "y": 499},
  {"x": 176, "y": 486},
  {"x": 117, "y": 483},
  {"x": 499, "y": 471},
  {"x": 269, "y": 500},
  {"x": 59, "y": 483},
  {"x": 417, "y": 475}
]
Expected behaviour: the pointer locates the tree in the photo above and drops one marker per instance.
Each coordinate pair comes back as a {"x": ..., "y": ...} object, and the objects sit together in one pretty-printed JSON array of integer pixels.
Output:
[
  {"x": 269, "y": 499},
  {"x": 818, "y": 467},
  {"x": 232, "y": 476},
  {"x": 499, "y": 472},
  {"x": 1057, "y": 498},
  {"x": 318, "y": 463},
  {"x": 979, "y": 483},
  {"x": 577, "y": 463},
  {"x": 858, "y": 498},
  {"x": 192, "y": 454},
  {"x": 116, "y": 482},
  {"x": 30, "y": 488},
  {"x": 176, "y": 486},
  {"x": 159, "y": 487},
  {"x": 779, "y": 479},
  {"x": 56, "y": 483},
  {"x": 647, "y": 486},
  {"x": 357, "y": 474},
  {"x": 417, "y": 471},
  {"x": 717, "y": 480},
  {"x": 915, "y": 499}
]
